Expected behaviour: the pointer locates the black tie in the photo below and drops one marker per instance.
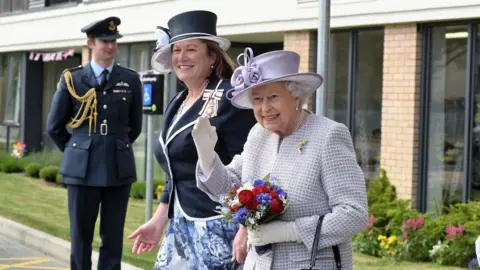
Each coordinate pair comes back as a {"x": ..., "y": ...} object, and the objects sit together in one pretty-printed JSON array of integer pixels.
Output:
[{"x": 104, "y": 79}]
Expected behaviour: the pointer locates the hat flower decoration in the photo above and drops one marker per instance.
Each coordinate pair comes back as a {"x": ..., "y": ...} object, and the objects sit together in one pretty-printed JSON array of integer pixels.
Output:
[
  {"x": 247, "y": 74},
  {"x": 163, "y": 37},
  {"x": 273, "y": 66}
]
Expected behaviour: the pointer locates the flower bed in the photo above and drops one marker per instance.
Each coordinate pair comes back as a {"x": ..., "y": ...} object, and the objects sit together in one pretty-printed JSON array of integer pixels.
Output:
[{"x": 398, "y": 232}]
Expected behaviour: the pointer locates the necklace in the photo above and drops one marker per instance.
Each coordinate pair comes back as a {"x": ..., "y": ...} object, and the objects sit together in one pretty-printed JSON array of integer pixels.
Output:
[
  {"x": 300, "y": 120},
  {"x": 180, "y": 110}
]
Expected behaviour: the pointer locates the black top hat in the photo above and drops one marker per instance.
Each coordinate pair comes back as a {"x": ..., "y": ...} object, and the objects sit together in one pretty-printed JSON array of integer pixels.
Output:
[
  {"x": 105, "y": 29},
  {"x": 196, "y": 24}
]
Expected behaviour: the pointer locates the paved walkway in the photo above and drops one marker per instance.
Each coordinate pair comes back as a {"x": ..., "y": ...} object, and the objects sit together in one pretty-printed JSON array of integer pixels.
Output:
[{"x": 15, "y": 256}]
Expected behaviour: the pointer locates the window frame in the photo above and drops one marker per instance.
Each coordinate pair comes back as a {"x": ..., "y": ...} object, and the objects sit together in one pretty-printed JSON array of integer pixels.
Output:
[{"x": 425, "y": 94}]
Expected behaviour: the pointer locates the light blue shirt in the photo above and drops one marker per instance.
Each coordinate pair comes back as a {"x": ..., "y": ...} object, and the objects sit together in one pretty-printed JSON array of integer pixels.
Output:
[{"x": 97, "y": 70}]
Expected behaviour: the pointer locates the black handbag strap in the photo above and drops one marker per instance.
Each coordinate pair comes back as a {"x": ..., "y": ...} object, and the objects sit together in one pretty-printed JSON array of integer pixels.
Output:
[{"x": 336, "y": 251}]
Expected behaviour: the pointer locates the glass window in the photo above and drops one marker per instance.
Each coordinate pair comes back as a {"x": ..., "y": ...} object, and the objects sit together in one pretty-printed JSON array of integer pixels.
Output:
[
  {"x": 122, "y": 55},
  {"x": 368, "y": 100},
  {"x": 446, "y": 119},
  {"x": 337, "y": 86},
  {"x": 19, "y": 5},
  {"x": 56, "y": 2},
  {"x": 3, "y": 86},
  {"x": 361, "y": 67},
  {"x": 475, "y": 179},
  {"x": 5, "y": 6},
  {"x": 140, "y": 55},
  {"x": 13, "y": 86}
]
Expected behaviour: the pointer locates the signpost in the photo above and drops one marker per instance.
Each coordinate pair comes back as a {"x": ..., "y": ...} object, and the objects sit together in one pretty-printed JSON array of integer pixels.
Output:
[
  {"x": 322, "y": 52},
  {"x": 153, "y": 88}
]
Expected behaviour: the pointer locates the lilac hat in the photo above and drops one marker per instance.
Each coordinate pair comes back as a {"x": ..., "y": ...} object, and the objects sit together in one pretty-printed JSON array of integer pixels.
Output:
[{"x": 267, "y": 68}]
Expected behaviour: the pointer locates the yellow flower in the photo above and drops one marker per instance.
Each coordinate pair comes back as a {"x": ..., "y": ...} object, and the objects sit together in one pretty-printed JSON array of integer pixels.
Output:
[
  {"x": 382, "y": 244},
  {"x": 382, "y": 237},
  {"x": 392, "y": 239}
]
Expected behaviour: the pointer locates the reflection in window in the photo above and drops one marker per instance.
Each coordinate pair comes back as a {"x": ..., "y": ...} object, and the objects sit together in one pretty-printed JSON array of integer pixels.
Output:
[
  {"x": 12, "y": 94},
  {"x": 475, "y": 179},
  {"x": 365, "y": 62},
  {"x": 140, "y": 55},
  {"x": 3, "y": 87},
  {"x": 337, "y": 92},
  {"x": 13, "y": 5},
  {"x": 446, "y": 119},
  {"x": 122, "y": 55},
  {"x": 368, "y": 101}
]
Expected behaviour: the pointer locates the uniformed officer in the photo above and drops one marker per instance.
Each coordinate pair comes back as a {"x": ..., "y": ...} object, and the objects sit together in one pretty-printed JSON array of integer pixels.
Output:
[{"x": 102, "y": 103}]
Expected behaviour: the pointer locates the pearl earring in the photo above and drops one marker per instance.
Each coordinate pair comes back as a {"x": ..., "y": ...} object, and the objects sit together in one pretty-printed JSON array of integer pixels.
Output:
[
  {"x": 211, "y": 66},
  {"x": 296, "y": 108}
]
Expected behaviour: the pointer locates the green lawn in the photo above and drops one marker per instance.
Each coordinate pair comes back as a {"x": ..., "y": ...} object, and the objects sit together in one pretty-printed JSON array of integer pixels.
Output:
[{"x": 44, "y": 207}]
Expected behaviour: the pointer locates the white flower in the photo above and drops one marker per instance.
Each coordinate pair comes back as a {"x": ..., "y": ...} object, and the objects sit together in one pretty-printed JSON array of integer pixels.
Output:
[
  {"x": 247, "y": 186},
  {"x": 435, "y": 248}
]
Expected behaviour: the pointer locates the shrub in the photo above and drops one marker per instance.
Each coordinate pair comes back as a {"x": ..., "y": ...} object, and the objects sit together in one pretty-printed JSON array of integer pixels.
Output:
[
  {"x": 33, "y": 169},
  {"x": 139, "y": 189},
  {"x": 49, "y": 173},
  {"x": 395, "y": 230},
  {"x": 44, "y": 158},
  {"x": 12, "y": 165}
]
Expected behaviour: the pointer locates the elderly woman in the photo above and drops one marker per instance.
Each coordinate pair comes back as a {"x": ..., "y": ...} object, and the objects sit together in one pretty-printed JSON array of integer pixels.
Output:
[
  {"x": 312, "y": 158},
  {"x": 196, "y": 237}
]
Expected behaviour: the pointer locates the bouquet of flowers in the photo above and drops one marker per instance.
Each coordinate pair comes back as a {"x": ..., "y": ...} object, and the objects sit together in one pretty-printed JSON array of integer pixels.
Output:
[{"x": 254, "y": 203}]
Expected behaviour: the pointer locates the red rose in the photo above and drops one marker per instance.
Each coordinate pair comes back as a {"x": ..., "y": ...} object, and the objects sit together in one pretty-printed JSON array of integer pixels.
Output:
[
  {"x": 273, "y": 194},
  {"x": 234, "y": 208},
  {"x": 233, "y": 190},
  {"x": 265, "y": 189},
  {"x": 276, "y": 206},
  {"x": 252, "y": 205},
  {"x": 245, "y": 196},
  {"x": 256, "y": 190}
]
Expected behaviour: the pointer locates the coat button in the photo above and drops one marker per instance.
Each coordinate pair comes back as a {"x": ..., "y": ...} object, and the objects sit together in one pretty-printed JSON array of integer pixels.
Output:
[
  {"x": 128, "y": 145},
  {"x": 124, "y": 98},
  {"x": 74, "y": 144},
  {"x": 105, "y": 106},
  {"x": 104, "y": 93}
]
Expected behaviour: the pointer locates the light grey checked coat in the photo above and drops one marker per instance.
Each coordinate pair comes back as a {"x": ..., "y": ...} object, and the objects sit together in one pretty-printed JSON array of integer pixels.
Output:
[{"x": 323, "y": 179}]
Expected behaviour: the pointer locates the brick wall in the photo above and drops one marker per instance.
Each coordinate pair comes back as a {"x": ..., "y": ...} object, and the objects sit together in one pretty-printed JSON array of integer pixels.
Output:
[
  {"x": 305, "y": 44},
  {"x": 401, "y": 107}
]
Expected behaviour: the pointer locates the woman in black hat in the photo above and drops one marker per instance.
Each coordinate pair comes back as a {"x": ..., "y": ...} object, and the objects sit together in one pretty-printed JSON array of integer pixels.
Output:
[{"x": 196, "y": 237}]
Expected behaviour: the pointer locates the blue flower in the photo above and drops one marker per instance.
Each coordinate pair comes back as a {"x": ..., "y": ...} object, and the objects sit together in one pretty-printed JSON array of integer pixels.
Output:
[
  {"x": 281, "y": 193},
  {"x": 473, "y": 263},
  {"x": 258, "y": 183},
  {"x": 241, "y": 215},
  {"x": 263, "y": 198}
]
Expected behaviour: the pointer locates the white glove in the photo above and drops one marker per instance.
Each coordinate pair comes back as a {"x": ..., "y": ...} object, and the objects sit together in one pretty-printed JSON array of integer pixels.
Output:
[
  {"x": 205, "y": 138},
  {"x": 477, "y": 248},
  {"x": 273, "y": 232}
]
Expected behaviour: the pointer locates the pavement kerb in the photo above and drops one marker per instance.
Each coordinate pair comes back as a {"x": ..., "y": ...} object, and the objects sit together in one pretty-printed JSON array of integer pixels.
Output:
[{"x": 45, "y": 243}]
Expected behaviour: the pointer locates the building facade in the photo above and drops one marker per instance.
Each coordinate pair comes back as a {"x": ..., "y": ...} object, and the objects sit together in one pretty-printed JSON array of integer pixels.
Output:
[{"x": 402, "y": 75}]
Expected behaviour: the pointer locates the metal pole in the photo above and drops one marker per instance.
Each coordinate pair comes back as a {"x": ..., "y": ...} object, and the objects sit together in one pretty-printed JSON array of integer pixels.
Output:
[
  {"x": 149, "y": 161},
  {"x": 322, "y": 52}
]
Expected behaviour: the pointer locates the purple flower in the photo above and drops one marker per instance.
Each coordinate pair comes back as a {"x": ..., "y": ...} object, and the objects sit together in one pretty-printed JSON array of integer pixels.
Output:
[
  {"x": 245, "y": 76},
  {"x": 472, "y": 264},
  {"x": 258, "y": 183},
  {"x": 281, "y": 193},
  {"x": 263, "y": 198},
  {"x": 241, "y": 215}
]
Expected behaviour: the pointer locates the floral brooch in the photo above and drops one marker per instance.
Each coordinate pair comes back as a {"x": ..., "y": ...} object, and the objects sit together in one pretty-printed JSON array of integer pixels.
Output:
[{"x": 301, "y": 145}]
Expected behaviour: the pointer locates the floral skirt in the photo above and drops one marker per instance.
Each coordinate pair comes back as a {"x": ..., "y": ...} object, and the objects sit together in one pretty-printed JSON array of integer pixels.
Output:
[{"x": 197, "y": 245}]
